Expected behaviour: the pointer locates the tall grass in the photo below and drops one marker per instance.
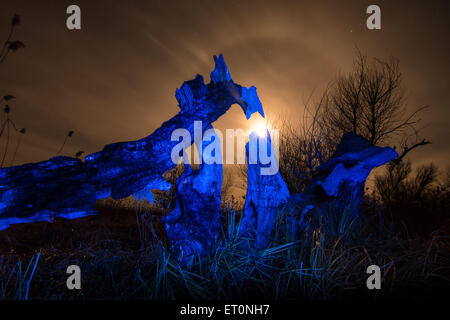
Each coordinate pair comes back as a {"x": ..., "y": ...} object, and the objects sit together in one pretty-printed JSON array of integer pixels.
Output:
[
  {"x": 327, "y": 260},
  {"x": 324, "y": 262},
  {"x": 17, "y": 285}
]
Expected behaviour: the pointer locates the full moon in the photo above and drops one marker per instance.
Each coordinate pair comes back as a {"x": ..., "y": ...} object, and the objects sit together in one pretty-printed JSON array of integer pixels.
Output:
[{"x": 260, "y": 129}]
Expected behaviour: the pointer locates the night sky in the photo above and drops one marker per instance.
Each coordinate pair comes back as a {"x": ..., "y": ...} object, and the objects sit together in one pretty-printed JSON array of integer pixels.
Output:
[{"x": 115, "y": 79}]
